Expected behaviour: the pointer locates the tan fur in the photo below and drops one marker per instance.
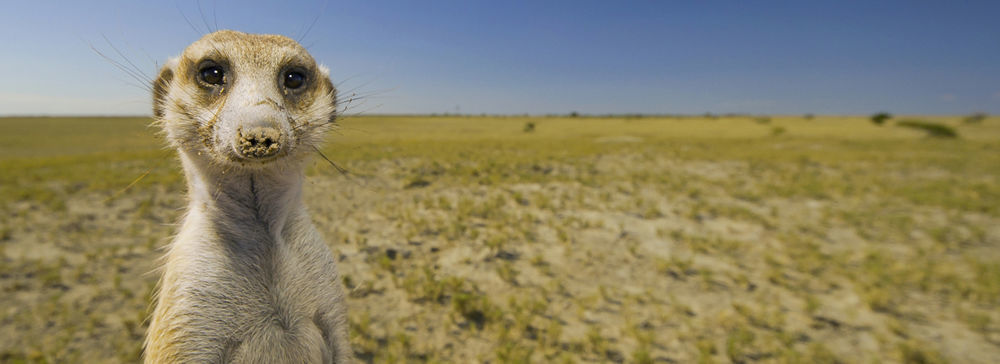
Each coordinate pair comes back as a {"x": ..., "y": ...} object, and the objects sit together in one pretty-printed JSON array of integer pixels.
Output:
[{"x": 247, "y": 279}]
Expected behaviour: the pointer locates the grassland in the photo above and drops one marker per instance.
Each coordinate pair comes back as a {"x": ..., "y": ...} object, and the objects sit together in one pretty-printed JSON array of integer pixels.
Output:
[{"x": 474, "y": 239}]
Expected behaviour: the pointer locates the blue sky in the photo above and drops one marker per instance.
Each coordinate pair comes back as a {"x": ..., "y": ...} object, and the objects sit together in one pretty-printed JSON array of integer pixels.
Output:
[{"x": 506, "y": 57}]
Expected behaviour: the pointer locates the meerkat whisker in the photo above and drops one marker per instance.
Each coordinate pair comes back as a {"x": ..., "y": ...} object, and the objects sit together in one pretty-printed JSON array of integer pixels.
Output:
[
  {"x": 312, "y": 23},
  {"x": 335, "y": 166},
  {"x": 204, "y": 21},
  {"x": 142, "y": 82},
  {"x": 188, "y": 21},
  {"x": 137, "y": 71}
]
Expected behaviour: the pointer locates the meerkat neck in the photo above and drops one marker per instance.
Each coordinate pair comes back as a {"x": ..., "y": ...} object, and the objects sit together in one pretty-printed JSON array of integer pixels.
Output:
[{"x": 261, "y": 201}]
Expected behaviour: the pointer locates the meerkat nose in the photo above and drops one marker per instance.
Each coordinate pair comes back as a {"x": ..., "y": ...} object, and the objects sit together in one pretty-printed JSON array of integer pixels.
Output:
[{"x": 258, "y": 142}]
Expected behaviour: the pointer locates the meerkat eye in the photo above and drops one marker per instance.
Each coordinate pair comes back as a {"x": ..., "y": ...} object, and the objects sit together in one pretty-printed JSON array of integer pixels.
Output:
[
  {"x": 294, "y": 79},
  {"x": 213, "y": 75}
]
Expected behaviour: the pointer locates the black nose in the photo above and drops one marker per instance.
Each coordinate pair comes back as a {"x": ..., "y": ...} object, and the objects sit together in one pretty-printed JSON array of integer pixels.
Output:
[{"x": 259, "y": 142}]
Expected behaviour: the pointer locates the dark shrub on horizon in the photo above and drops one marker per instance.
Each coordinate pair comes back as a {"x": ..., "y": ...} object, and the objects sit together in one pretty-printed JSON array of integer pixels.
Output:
[
  {"x": 932, "y": 129},
  {"x": 881, "y": 118},
  {"x": 976, "y": 118}
]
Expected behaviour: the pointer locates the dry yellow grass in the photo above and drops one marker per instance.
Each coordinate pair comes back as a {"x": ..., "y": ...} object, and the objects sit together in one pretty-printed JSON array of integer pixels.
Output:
[{"x": 470, "y": 239}]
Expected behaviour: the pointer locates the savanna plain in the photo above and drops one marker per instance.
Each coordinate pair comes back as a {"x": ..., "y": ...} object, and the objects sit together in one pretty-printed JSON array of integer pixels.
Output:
[{"x": 639, "y": 239}]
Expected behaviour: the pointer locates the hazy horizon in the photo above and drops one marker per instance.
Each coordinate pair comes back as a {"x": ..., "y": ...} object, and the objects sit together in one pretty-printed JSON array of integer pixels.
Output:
[{"x": 539, "y": 115}]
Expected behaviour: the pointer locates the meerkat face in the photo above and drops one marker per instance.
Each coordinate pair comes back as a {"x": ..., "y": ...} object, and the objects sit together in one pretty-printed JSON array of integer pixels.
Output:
[{"x": 244, "y": 100}]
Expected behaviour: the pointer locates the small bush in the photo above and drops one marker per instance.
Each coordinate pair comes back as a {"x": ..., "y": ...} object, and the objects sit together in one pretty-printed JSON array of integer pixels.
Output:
[
  {"x": 918, "y": 352},
  {"x": 762, "y": 120},
  {"x": 976, "y": 118},
  {"x": 475, "y": 307},
  {"x": 417, "y": 183},
  {"x": 881, "y": 118},
  {"x": 932, "y": 129},
  {"x": 529, "y": 127},
  {"x": 776, "y": 131}
]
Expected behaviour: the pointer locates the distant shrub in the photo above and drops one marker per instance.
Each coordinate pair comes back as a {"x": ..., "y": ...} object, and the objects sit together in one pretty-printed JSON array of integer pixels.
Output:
[
  {"x": 762, "y": 120},
  {"x": 574, "y": 114},
  {"x": 975, "y": 118},
  {"x": 932, "y": 129},
  {"x": 881, "y": 118},
  {"x": 808, "y": 116},
  {"x": 529, "y": 127},
  {"x": 776, "y": 131}
]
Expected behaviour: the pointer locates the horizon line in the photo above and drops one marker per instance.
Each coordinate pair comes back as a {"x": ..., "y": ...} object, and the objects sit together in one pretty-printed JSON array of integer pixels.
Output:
[{"x": 565, "y": 114}]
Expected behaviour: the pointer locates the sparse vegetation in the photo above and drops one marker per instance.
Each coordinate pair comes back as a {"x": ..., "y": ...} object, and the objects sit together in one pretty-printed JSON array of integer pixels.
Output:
[
  {"x": 976, "y": 118},
  {"x": 590, "y": 239},
  {"x": 932, "y": 129}
]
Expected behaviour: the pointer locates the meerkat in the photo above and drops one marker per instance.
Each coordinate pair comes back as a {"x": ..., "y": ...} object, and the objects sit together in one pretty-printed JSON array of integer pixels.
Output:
[{"x": 247, "y": 279}]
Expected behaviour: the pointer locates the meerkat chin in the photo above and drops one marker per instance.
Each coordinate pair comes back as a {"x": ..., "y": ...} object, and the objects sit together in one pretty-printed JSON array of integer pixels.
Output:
[{"x": 247, "y": 279}]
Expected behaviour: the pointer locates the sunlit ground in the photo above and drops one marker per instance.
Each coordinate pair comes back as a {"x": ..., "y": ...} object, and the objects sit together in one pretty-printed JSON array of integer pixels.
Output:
[{"x": 551, "y": 239}]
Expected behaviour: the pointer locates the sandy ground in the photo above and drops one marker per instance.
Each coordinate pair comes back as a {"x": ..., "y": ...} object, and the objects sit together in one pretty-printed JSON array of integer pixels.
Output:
[
  {"x": 628, "y": 271},
  {"x": 635, "y": 257}
]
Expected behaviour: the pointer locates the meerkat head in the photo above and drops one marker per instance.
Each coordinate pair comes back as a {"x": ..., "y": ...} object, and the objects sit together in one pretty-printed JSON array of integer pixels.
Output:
[{"x": 244, "y": 100}]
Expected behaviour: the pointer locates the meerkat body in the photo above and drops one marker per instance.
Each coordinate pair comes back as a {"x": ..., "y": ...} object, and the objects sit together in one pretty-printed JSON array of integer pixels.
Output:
[{"x": 247, "y": 279}]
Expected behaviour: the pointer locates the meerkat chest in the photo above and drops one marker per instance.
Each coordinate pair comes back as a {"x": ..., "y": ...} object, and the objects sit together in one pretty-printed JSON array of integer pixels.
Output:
[
  {"x": 282, "y": 317},
  {"x": 254, "y": 305}
]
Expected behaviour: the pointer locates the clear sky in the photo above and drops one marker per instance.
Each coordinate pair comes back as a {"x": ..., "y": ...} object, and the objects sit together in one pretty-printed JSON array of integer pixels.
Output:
[{"x": 513, "y": 57}]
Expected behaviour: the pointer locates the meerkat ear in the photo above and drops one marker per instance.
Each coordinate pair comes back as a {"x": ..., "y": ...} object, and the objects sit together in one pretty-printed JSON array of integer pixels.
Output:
[{"x": 160, "y": 86}]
